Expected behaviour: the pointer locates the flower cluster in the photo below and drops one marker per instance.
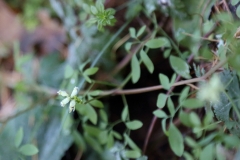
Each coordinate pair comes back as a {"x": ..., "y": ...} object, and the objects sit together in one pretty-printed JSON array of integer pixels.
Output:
[
  {"x": 211, "y": 91},
  {"x": 72, "y": 99}
]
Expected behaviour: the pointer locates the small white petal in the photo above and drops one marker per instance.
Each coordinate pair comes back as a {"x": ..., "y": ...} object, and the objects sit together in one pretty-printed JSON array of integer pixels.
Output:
[
  {"x": 72, "y": 106},
  {"x": 65, "y": 101},
  {"x": 74, "y": 92},
  {"x": 62, "y": 93}
]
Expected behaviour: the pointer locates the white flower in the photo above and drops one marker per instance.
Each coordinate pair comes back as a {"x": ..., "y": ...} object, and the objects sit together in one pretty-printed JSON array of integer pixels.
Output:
[
  {"x": 65, "y": 101},
  {"x": 74, "y": 92},
  {"x": 72, "y": 106},
  {"x": 211, "y": 90},
  {"x": 62, "y": 93}
]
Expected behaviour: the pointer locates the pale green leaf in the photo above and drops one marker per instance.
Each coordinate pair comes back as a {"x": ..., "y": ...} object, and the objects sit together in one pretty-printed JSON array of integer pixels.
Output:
[
  {"x": 184, "y": 118},
  {"x": 124, "y": 114},
  {"x": 161, "y": 101},
  {"x": 147, "y": 61},
  {"x": 238, "y": 11},
  {"x": 116, "y": 135},
  {"x": 90, "y": 71},
  {"x": 133, "y": 125},
  {"x": 96, "y": 103},
  {"x": 183, "y": 94},
  {"x": 103, "y": 115},
  {"x": 19, "y": 137},
  {"x": 207, "y": 152},
  {"x": 170, "y": 106},
  {"x": 132, "y": 32},
  {"x": 132, "y": 154},
  {"x": 28, "y": 150},
  {"x": 68, "y": 71},
  {"x": 192, "y": 103},
  {"x": 180, "y": 66},
  {"x": 158, "y": 42},
  {"x": 141, "y": 31},
  {"x": 194, "y": 119},
  {"x": 128, "y": 46},
  {"x": 175, "y": 140},
  {"x": 164, "y": 81},
  {"x": 131, "y": 143},
  {"x": 136, "y": 71},
  {"x": 234, "y": 2},
  {"x": 160, "y": 114},
  {"x": 91, "y": 114},
  {"x": 94, "y": 10},
  {"x": 166, "y": 53}
]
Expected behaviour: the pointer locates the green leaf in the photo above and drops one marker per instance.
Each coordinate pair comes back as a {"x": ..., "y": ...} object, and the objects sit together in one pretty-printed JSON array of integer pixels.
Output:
[
  {"x": 92, "y": 142},
  {"x": 164, "y": 128},
  {"x": 78, "y": 139},
  {"x": 170, "y": 106},
  {"x": 207, "y": 152},
  {"x": 100, "y": 6},
  {"x": 87, "y": 78},
  {"x": 110, "y": 141},
  {"x": 124, "y": 114},
  {"x": 96, "y": 103},
  {"x": 92, "y": 130},
  {"x": 81, "y": 67},
  {"x": 116, "y": 135},
  {"x": 234, "y": 2},
  {"x": 175, "y": 140},
  {"x": 164, "y": 81},
  {"x": 91, "y": 114},
  {"x": 231, "y": 141},
  {"x": 19, "y": 137},
  {"x": 161, "y": 101},
  {"x": 147, "y": 61},
  {"x": 187, "y": 156},
  {"x": 160, "y": 114},
  {"x": 68, "y": 71},
  {"x": 90, "y": 71},
  {"x": 28, "y": 150},
  {"x": 166, "y": 53},
  {"x": 192, "y": 103},
  {"x": 132, "y": 32},
  {"x": 184, "y": 94},
  {"x": 180, "y": 66},
  {"x": 158, "y": 42},
  {"x": 94, "y": 10},
  {"x": 103, "y": 115},
  {"x": 194, "y": 119},
  {"x": 131, "y": 143},
  {"x": 132, "y": 154},
  {"x": 184, "y": 118},
  {"x": 141, "y": 31},
  {"x": 191, "y": 142},
  {"x": 136, "y": 72},
  {"x": 128, "y": 46},
  {"x": 133, "y": 125},
  {"x": 238, "y": 11}
]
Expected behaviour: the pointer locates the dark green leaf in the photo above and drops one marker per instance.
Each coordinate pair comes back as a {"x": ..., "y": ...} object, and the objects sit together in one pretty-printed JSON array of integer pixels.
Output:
[
  {"x": 160, "y": 114},
  {"x": 180, "y": 66},
  {"x": 110, "y": 141},
  {"x": 92, "y": 142},
  {"x": 78, "y": 139},
  {"x": 28, "y": 150},
  {"x": 135, "y": 69},
  {"x": 19, "y": 137},
  {"x": 91, "y": 114},
  {"x": 192, "y": 103},
  {"x": 147, "y": 61},
  {"x": 133, "y": 125},
  {"x": 175, "y": 140},
  {"x": 161, "y": 101},
  {"x": 164, "y": 81},
  {"x": 92, "y": 130},
  {"x": 158, "y": 42}
]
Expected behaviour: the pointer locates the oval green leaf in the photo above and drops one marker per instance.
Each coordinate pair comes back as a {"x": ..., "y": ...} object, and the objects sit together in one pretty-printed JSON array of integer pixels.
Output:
[
  {"x": 124, "y": 114},
  {"x": 180, "y": 66},
  {"x": 160, "y": 114},
  {"x": 192, "y": 103},
  {"x": 164, "y": 81},
  {"x": 176, "y": 140},
  {"x": 158, "y": 42},
  {"x": 132, "y": 154},
  {"x": 19, "y": 137},
  {"x": 96, "y": 103},
  {"x": 90, "y": 71},
  {"x": 28, "y": 150},
  {"x": 133, "y": 125},
  {"x": 135, "y": 69},
  {"x": 161, "y": 101},
  {"x": 147, "y": 61}
]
